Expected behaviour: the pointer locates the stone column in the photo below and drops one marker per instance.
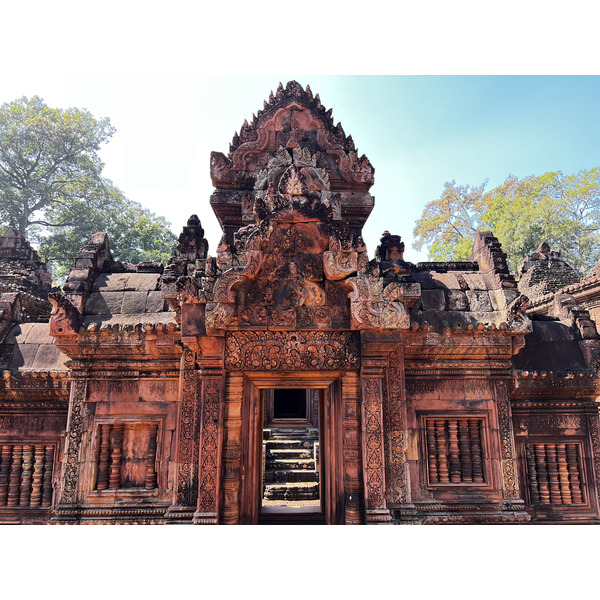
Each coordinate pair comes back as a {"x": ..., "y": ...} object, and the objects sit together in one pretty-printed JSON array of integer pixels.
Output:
[
  {"x": 232, "y": 432},
  {"x": 372, "y": 376},
  {"x": 186, "y": 489},
  {"x": 352, "y": 452},
  {"x": 209, "y": 465}
]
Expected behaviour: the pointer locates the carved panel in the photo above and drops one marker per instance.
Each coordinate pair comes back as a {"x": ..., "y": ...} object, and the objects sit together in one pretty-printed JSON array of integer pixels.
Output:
[
  {"x": 187, "y": 478},
  {"x": 595, "y": 439},
  {"x": 302, "y": 350},
  {"x": 74, "y": 435},
  {"x": 209, "y": 451},
  {"x": 396, "y": 467},
  {"x": 506, "y": 441},
  {"x": 374, "y": 460}
]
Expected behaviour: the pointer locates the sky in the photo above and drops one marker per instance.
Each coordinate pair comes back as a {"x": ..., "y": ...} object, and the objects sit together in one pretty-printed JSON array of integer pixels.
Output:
[{"x": 417, "y": 131}]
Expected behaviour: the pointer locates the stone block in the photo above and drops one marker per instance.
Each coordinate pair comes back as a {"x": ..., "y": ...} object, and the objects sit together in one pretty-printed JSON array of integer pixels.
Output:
[
  {"x": 155, "y": 302},
  {"x": 475, "y": 281},
  {"x": 104, "y": 303},
  {"x": 134, "y": 302},
  {"x": 138, "y": 282},
  {"x": 479, "y": 301},
  {"x": 110, "y": 282},
  {"x": 457, "y": 300},
  {"x": 433, "y": 300}
]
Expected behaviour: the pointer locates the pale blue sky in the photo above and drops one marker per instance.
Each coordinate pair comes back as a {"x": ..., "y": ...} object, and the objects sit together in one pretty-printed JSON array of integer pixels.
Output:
[{"x": 418, "y": 132}]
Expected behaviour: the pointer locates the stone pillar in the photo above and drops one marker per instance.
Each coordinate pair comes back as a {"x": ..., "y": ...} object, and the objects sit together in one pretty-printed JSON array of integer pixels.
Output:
[
  {"x": 508, "y": 458},
  {"x": 209, "y": 464},
  {"x": 67, "y": 507},
  {"x": 372, "y": 378},
  {"x": 352, "y": 452},
  {"x": 186, "y": 489},
  {"x": 232, "y": 431}
]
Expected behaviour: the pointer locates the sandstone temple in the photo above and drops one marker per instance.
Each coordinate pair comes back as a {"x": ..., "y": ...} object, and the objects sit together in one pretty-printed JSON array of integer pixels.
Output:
[{"x": 291, "y": 377}]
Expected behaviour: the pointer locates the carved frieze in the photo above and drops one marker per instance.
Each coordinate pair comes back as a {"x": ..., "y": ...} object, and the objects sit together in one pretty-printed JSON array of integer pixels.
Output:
[{"x": 302, "y": 350}]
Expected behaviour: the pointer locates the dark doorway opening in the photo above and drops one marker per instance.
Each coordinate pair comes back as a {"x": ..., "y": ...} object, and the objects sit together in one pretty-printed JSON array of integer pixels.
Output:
[{"x": 289, "y": 404}]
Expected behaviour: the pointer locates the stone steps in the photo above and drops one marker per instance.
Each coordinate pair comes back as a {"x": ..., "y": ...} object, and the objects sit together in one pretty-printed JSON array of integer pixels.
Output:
[
  {"x": 292, "y": 491},
  {"x": 291, "y": 472}
]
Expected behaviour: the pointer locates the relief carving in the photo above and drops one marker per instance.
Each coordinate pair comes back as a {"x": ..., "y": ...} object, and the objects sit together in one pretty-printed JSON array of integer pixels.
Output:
[
  {"x": 302, "y": 350},
  {"x": 65, "y": 317}
]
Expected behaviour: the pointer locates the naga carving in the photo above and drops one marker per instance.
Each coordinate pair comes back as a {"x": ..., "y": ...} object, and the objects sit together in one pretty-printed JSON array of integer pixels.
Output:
[{"x": 65, "y": 317}]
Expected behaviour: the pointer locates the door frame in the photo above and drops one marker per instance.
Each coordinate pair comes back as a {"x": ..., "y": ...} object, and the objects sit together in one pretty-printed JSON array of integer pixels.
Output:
[{"x": 330, "y": 436}]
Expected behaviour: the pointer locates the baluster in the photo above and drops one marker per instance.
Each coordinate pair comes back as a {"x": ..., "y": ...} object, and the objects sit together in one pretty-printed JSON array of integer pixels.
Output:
[
  {"x": 4, "y": 472},
  {"x": 540, "y": 463},
  {"x": 47, "y": 481},
  {"x": 151, "y": 460},
  {"x": 15, "y": 476},
  {"x": 475, "y": 435},
  {"x": 431, "y": 452},
  {"x": 555, "y": 497},
  {"x": 26, "y": 475},
  {"x": 38, "y": 473},
  {"x": 103, "y": 457},
  {"x": 465, "y": 451},
  {"x": 116, "y": 443},
  {"x": 563, "y": 474},
  {"x": 532, "y": 475},
  {"x": 454, "y": 458},
  {"x": 440, "y": 431},
  {"x": 573, "y": 468}
]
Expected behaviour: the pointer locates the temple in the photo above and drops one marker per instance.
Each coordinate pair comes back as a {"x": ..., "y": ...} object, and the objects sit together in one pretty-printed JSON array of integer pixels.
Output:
[{"x": 290, "y": 377}]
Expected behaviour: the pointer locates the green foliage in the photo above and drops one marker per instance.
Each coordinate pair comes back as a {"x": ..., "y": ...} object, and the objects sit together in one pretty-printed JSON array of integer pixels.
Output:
[
  {"x": 562, "y": 210},
  {"x": 51, "y": 187}
]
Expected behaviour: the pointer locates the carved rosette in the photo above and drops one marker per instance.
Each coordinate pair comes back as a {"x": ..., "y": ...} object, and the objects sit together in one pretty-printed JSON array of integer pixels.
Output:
[
  {"x": 209, "y": 451},
  {"x": 373, "y": 445},
  {"x": 74, "y": 435},
  {"x": 509, "y": 478},
  {"x": 396, "y": 466},
  {"x": 187, "y": 476},
  {"x": 302, "y": 350}
]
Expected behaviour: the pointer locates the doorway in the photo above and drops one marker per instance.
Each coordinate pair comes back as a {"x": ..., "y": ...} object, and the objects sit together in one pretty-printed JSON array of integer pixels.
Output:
[
  {"x": 322, "y": 393},
  {"x": 291, "y": 465}
]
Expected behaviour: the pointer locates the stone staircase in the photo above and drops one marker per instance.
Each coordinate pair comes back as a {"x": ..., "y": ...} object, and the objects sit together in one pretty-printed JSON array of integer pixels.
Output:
[{"x": 291, "y": 472}]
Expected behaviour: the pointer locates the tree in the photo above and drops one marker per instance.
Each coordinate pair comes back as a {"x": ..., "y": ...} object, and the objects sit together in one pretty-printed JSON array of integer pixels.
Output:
[
  {"x": 51, "y": 187},
  {"x": 135, "y": 233},
  {"x": 562, "y": 210}
]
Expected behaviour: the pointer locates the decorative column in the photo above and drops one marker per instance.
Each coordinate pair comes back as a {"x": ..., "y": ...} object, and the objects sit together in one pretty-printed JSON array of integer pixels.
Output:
[
  {"x": 232, "y": 431},
  {"x": 352, "y": 451},
  {"x": 211, "y": 385},
  {"x": 187, "y": 443},
  {"x": 372, "y": 376}
]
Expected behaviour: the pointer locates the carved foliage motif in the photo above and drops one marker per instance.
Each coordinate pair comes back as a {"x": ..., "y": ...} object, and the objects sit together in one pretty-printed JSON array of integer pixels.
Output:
[
  {"x": 65, "y": 317},
  {"x": 373, "y": 444},
  {"x": 302, "y": 350},
  {"x": 209, "y": 463},
  {"x": 396, "y": 475},
  {"x": 74, "y": 434},
  {"x": 506, "y": 441},
  {"x": 188, "y": 431}
]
